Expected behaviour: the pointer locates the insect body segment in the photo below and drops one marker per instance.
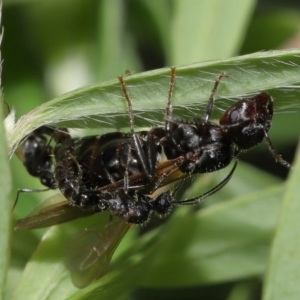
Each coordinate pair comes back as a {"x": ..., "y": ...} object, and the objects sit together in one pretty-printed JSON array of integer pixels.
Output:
[
  {"x": 37, "y": 158},
  {"x": 248, "y": 122},
  {"x": 207, "y": 146}
]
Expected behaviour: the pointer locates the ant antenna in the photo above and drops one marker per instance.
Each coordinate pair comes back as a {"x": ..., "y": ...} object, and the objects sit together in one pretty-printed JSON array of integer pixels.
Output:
[
  {"x": 169, "y": 104},
  {"x": 198, "y": 199},
  {"x": 27, "y": 191}
]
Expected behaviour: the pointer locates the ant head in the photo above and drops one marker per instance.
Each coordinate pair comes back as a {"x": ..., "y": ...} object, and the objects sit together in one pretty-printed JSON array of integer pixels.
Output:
[{"x": 248, "y": 121}]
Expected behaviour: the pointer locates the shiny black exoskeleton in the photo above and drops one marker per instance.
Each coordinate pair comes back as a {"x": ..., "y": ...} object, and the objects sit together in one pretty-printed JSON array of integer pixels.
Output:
[
  {"x": 83, "y": 165},
  {"x": 208, "y": 147},
  {"x": 38, "y": 157},
  {"x": 37, "y": 153},
  {"x": 96, "y": 161},
  {"x": 89, "y": 163},
  {"x": 138, "y": 207}
]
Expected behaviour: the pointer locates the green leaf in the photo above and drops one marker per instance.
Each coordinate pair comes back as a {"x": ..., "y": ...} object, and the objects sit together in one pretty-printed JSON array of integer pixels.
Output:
[
  {"x": 5, "y": 207},
  {"x": 103, "y": 105},
  {"x": 282, "y": 279},
  {"x": 45, "y": 276},
  {"x": 225, "y": 242},
  {"x": 246, "y": 179}
]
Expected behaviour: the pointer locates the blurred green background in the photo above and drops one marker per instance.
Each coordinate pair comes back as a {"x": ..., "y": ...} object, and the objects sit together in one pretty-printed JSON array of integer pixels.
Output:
[{"x": 52, "y": 47}]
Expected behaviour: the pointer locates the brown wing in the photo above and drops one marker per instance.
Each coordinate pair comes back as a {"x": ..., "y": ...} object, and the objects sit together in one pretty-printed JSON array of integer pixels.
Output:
[
  {"x": 57, "y": 210},
  {"x": 168, "y": 167},
  {"x": 52, "y": 211},
  {"x": 89, "y": 252}
]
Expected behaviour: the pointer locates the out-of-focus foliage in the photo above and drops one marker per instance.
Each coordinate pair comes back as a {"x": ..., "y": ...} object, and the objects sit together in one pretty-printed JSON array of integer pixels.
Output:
[{"x": 220, "y": 252}]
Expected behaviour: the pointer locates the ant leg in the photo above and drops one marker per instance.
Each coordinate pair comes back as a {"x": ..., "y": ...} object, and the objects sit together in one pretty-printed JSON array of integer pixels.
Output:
[
  {"x": 163, "y": 204},
  {"x": 160, "y": 132},
  {"x": 274, "y": 152},
  {"x": 211, "y": 99},
  {"x": 202, "y": 197},
  {"x": 27, "y": 191},
  {"x": 70, "y": 170},
  {"x": 59, "y": 135},
  {"x": 169, "y": 108},
  {"x": 135, "y": 140},
  {"x": 272, "y": 149}
]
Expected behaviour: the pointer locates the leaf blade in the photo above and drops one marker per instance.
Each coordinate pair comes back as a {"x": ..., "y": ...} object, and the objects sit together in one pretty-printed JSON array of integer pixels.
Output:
[
  {"x": 283, "y": 271},
  {"x": 148, "y": 91}
]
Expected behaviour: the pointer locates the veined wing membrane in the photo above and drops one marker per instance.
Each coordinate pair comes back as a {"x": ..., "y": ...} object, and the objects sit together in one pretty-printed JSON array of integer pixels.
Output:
[
  {"x": 89, "y": 252},
  {"x": 52, "y": 211},
  {"x": 57, "y": 210}
]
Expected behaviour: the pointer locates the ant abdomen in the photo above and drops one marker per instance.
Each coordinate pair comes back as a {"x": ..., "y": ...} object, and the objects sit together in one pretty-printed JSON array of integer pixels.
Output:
[
  {"x": 68, "y": 177},
  {"x": 248, "y": 121},
  {"x": 67, "y": 174},
  {"x": 37, "y": 158},
  {"x": 70, "y": 181}
]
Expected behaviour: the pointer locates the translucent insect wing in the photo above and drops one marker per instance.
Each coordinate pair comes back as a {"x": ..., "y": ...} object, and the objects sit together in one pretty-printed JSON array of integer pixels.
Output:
[
  {"x": 89, "y": 252},
  {"x": 52, "y": 211}
]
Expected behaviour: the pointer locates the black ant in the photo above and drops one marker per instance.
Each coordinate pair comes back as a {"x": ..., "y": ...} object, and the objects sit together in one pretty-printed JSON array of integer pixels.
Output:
[
  {"x": 208, "y": 147},
  {"x": 201, "y": 146},
  {"x": 37, "y": 153}
]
